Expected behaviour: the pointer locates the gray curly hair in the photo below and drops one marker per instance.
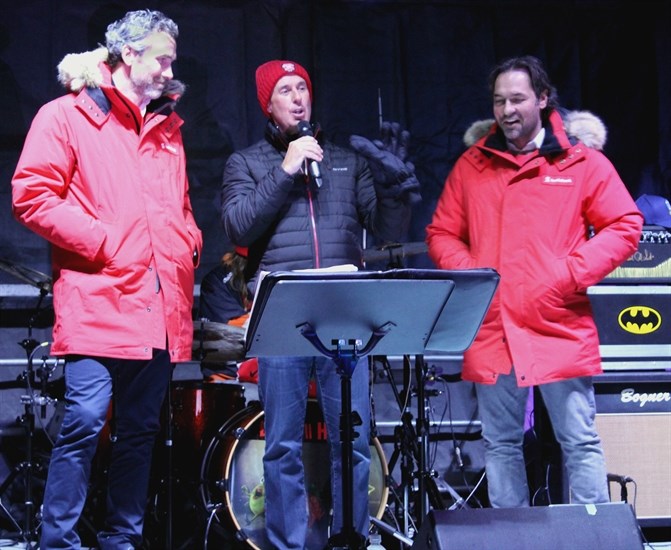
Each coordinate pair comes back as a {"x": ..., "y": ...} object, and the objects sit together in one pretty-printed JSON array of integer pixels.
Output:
[{"x": 134, "y": 27}]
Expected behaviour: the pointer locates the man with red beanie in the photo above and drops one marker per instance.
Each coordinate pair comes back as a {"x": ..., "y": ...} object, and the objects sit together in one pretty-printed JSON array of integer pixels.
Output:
[{"x": 294, "y": 215}]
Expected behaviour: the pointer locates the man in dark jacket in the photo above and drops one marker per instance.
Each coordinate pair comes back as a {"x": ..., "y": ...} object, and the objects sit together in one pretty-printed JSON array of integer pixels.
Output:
[{"x": 292, "y": 217}]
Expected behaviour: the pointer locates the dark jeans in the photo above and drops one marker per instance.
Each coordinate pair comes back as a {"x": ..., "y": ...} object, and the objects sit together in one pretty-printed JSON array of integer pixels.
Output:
[{"x": 139, "y": 389}]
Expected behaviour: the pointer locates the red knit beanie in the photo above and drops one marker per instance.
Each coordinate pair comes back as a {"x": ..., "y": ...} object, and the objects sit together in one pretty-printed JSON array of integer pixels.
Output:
[{"x": 270, "y": 72}]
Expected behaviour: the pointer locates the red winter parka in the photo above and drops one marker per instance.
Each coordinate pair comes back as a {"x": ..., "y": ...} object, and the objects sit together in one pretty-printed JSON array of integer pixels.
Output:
[
  {"x": 108, "y": 189},
  {"x": 529, "y": 218}
]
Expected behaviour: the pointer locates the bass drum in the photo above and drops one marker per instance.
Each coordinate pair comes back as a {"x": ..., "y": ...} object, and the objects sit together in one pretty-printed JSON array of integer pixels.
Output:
[{"x": 232, "y": 477}]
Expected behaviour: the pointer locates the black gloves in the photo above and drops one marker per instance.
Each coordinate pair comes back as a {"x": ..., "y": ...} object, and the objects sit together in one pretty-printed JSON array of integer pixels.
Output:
[{"x": 393, "y": 176}]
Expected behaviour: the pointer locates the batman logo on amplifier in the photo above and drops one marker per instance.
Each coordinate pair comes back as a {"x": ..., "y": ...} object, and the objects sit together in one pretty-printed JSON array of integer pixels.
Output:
[{"x": 639, "y": 319}]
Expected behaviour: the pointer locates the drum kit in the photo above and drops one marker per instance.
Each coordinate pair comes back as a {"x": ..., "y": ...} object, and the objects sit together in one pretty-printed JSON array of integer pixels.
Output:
[
  {"x": 207, "y": 476},
  {"x": 232, "y": 477}
]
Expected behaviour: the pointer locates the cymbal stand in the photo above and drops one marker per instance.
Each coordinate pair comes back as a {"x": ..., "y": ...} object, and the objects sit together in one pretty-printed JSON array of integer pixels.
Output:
[
  {"x": 163, "y": 499},
  {"x": 169, "y": 452},
  {"x": 428, "y": 491},
  {"x": 418, "y": 486},
  {"x": 404, "y": 440},
  {"x": 411, "y": 441},
  {"x": 27, "y": 467}
]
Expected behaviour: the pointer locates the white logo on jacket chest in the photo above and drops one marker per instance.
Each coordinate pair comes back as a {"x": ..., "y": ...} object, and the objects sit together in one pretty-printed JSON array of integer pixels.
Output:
[{"x": 556, "y": 180}]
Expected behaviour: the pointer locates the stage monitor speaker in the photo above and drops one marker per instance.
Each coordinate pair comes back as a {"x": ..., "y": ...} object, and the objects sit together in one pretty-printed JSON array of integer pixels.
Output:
[
  {"x": 559, "y": 527},
  {"x": 634, "y": 422}
]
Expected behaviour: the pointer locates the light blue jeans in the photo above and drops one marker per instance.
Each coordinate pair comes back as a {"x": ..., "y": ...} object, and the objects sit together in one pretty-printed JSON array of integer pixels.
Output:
[
  {"x": 571, "y": 408},
  {"x": 139, "y": 389},
  {"x": 283, "y": 390}
]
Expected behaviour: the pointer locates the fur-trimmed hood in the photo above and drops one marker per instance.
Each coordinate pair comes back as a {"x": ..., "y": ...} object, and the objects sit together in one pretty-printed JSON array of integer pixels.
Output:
[
  {"x": 583, "y": 125},
  {"x": 87, "y": 70}
]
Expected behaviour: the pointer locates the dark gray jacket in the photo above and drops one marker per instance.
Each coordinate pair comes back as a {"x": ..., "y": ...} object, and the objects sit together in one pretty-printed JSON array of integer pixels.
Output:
[{"x": 288, "y": 223}]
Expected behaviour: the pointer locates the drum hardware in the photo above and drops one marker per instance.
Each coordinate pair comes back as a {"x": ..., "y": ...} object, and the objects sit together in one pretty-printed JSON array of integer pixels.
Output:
[
  {"x": 28, "y": 531},
  {"x": 193, "y": 412},
  {"x": 30, "y": 466},
  {"x": 391, "y": 531},
  {"x": 212, "y": 510},
  {"x": 28, "y": 275},
  {"x": 418, "y": 486},
  {"x": 418, "y": 490}
]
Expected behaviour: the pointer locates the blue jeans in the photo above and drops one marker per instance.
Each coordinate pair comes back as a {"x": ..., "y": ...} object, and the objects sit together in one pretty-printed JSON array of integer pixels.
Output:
[
  {"x": 139, "y": 388},
  {"x": 283, "y": 390},
  {"x": 571, "y": 408}
]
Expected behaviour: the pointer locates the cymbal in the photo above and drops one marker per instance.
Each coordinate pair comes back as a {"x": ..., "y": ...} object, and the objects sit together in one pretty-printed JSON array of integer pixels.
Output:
[
  {"x": 217, "y": 342},
  {"x": 28, "y": 275},
  {"x": 394, "y": 251},
  {"x": 215, "y": 331}
]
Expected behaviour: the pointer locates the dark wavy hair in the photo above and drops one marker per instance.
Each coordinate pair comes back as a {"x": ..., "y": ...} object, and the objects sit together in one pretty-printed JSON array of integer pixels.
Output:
[{"x": 540, "y": 82}]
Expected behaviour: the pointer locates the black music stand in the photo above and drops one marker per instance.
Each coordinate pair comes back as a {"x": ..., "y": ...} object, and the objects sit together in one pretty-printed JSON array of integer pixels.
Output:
[{"x": 395, "y": 312}]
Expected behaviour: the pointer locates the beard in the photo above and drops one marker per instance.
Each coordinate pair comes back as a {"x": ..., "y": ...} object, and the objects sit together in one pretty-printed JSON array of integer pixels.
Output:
[{"x": 148, "y": 87}]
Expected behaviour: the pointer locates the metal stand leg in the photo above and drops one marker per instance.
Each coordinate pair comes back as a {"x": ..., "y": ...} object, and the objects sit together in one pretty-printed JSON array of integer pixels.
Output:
[
  {"x": 420, "y": 492},
  {"x": 348, "y": 538},
  {"x": 26, "y": 468},
  {"x": 169, "y": 476},
  {"x": 428, "y": 491},
  {"x": 346, "y": 361}
]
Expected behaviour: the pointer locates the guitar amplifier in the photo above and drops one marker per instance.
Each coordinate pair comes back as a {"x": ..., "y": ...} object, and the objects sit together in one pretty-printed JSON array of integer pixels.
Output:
[
  {"x": 651, "y": 263},
  {"x": 633, "y": 324},
  {"x": 632, "y": 307},
  {"x": 633, "y": 419}
]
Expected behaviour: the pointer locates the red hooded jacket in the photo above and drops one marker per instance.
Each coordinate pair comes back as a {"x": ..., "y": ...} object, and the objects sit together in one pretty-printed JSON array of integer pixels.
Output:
[
  {"x": 109, "y": 191},
  {"x": 529, "y": 217}
]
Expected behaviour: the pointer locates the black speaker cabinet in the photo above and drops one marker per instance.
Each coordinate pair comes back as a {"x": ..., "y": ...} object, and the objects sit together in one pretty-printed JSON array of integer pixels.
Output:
[{"x": 560, "y": 527}]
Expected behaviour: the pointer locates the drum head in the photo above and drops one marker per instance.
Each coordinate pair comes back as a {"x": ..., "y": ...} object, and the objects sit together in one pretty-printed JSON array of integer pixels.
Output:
[{"x": 232, "y": 475}]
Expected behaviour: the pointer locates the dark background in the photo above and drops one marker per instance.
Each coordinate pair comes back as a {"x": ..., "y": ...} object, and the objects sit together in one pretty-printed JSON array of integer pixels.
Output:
[{"x": 427, "y": 60}]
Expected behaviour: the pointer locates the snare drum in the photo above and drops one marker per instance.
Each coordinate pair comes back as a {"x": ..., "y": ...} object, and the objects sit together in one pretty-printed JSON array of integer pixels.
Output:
[{"x": 232, "y": 476}]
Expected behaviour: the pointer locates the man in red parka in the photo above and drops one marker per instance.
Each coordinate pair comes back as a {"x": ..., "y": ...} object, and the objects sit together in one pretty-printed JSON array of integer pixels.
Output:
[
  {"x": 102, "y": 177},
  {"x": 524, "y": 200}
]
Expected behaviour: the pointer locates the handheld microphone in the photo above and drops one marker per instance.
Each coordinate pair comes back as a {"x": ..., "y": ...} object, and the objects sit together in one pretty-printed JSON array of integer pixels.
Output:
[{"x": 304, "y": 129}]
